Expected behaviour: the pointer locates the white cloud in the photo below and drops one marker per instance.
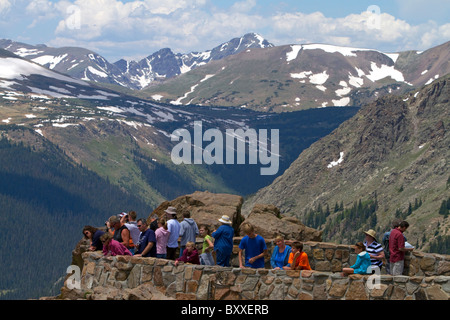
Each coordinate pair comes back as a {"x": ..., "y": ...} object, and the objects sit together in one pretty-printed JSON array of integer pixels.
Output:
[
  {"x": 243, "y": 6},
  {"x": 4, "y": 6},
  {"x": 169, "y": 6},
  {"x": 389, "y": 33},
  {"x": 195, "y": 25}
]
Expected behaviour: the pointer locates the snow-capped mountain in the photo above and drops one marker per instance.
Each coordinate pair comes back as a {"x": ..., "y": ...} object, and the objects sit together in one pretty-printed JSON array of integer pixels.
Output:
[
  {"x": 165, "y": 64},
  {"x": 303, "y": 76},
  {"x": 87, "y": 65}
]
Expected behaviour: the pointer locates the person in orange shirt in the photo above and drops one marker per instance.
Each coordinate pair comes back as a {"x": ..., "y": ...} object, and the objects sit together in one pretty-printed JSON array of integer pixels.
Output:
[{"x": 298, "y": 260}]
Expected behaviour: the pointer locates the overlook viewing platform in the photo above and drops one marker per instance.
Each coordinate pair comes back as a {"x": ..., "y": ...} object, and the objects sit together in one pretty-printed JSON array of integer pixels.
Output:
[{"x": 426, "y": 277}]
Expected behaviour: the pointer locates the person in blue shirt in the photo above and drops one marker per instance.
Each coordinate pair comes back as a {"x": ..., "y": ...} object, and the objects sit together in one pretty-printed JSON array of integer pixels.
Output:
[
  {"x": 223, "y": 241},
  {"x": 254, "y": 247},
  {"x": 280, "y": 254},
  {"x": 147, "y": 240},
  {"x": 362, "y": 264}
]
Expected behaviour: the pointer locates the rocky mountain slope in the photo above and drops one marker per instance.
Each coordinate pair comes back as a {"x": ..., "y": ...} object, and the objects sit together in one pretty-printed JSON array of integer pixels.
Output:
[
  {"x": 294, "y": 77},
  {"x": 87, "y": 65},
  {"x": 128, "y": 140},
  {"x": 391, "y": 157},
  {"x": 249, "y": 71}
]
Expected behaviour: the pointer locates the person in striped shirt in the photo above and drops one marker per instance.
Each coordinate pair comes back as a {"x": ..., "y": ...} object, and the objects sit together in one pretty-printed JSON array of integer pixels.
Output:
[{"x": 374, "y": 249}]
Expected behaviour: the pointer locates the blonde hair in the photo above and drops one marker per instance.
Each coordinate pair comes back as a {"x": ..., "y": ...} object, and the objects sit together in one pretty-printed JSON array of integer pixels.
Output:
[
  {"x": 247, "y": 228},
  {"x": 191, "y": 244},
  {"x": 106, "y": 236}
]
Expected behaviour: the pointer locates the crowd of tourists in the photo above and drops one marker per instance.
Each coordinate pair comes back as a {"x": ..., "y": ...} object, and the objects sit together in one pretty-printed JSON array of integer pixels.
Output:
[{"x": 165, "y": 237}]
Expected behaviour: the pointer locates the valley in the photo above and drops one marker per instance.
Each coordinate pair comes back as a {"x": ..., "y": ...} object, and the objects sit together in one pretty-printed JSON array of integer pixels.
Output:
[{"x": 363, "y": 138}]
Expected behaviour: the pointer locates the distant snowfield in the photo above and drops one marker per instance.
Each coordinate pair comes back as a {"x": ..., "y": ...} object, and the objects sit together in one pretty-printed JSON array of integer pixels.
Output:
[
  {"x": 14, "y": 68},
  {"x": 355, "y": 79},
  {"x": 346, "y": 51},
  {"x": 50, "y": 60}
]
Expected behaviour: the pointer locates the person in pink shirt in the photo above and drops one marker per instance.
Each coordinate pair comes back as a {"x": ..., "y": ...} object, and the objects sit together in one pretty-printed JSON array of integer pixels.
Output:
[
  {"x": 162, "y": 237},
  {"x": 113, "y": 247}
]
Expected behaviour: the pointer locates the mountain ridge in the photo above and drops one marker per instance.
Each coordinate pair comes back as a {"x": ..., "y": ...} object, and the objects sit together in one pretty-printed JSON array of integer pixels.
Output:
[
  {"x": 394, "y": 152},
  {"x": 296, "y": 77},
  {"x": 87, "y": 65},
  {"x": 251, "y": 72}
]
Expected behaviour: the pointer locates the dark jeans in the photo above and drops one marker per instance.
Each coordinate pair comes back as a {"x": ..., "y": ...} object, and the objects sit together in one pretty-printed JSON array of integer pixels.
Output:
[{"x": 171, "y": 253}]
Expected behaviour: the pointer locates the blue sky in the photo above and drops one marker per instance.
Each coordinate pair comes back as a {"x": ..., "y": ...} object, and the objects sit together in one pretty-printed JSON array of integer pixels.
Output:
[{"x": 133, "y": 29}]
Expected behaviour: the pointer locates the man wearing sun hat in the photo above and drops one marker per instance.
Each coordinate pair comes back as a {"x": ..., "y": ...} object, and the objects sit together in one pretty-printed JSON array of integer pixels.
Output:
[
  {"x": 374, "y": 249},
  {"x": 223, "y": 241}
]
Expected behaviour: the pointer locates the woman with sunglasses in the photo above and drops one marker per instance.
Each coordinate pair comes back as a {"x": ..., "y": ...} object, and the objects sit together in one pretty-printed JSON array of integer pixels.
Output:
[{"x": 94, "y": 235}]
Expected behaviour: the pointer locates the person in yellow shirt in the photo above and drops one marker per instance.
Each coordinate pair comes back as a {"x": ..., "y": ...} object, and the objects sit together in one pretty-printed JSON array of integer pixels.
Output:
[{"x": 298, "y": 260}]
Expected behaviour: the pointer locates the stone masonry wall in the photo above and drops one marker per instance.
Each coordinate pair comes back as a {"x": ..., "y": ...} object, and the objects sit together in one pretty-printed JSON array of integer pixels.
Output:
[{"x": 428, "y": 278}]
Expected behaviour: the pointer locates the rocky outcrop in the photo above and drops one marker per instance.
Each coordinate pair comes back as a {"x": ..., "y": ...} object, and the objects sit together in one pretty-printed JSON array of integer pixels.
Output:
[
  {"x": 206, "y": 208},
  {"x": 268, "y": 222}
]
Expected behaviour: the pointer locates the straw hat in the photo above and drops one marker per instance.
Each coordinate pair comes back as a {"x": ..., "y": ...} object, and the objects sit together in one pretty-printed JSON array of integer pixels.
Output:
[
  {"x": 371, "y": 233},
  {"x": 225, "y": 219}
]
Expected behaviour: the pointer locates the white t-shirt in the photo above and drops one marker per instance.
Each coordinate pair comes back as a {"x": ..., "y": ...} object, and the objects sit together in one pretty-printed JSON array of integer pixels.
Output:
[{"x": 173, "y": 226}]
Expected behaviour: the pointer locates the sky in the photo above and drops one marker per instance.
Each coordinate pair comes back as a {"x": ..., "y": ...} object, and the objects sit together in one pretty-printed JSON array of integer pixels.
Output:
[{"x": 134, "y": 29}]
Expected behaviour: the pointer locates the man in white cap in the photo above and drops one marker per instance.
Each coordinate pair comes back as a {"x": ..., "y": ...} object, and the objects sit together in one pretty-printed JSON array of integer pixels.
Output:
[
  {"x": 173, "y": 226},
  {"x": 223, "y": 241}
]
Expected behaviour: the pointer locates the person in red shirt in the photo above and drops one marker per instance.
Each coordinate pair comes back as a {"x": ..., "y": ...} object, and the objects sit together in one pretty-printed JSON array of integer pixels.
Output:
[
  {"x": 190, "y": 254},
  {"x": 397, "y": 248}
]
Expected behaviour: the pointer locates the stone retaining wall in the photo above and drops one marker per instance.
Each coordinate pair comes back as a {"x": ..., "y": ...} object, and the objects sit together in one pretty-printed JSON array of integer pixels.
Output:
[
  {"x": 196, "y": 282},
  {"x": 331, "y": 257}
]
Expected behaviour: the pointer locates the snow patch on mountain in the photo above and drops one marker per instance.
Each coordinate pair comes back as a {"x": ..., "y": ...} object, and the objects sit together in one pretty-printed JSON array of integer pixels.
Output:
[
  {"x": 51, "y": 61},
  {"x": 14, "y": 68},
  {"x": 384, "y": 71},
  {"x": 292, "y": 55},
  {"x": 335, "y": 163}
]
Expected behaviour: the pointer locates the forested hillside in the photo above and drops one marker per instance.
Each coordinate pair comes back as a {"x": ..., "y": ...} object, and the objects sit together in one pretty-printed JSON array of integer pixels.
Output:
[{"x": 45, "y": 200}]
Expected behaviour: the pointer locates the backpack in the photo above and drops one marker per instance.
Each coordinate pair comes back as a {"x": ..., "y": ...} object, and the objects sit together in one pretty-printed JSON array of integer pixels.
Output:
[{"x": 385, "y": 244}]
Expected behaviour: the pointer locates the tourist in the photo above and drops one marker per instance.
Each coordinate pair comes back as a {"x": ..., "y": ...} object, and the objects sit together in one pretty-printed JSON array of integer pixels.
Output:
[
  {"x": 188, "y": 230},
  {"x": 397, "y": 248},
  {"x": 223, "y": 241},
  {"x": 254, "y": 247},
  {"x": 190, "y": 254},
  {"x": 362, "y": 261},
  {"x": 162, "y": 237},
  {"x": 206, "y": 257},
  {"x": 94, "y": 235},
  {"x": 173, "y": 226},
  {"x": 280, "y": 254},
  {"x": 113, "y": 247},
  {"x": 154, "y": 222},
  {"x": 298, "y": 259},
  {"x": 131, "y": 225},
  {"x": 147, "y": 240},
  {"x": 374, "y": 249},
  {"x": 121, "y": 232},
  {"x": 385, "y": 241}
]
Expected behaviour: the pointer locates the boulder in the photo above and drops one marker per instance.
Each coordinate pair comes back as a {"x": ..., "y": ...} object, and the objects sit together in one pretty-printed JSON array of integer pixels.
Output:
[
  {"x": 268, "y": 222},
  {"x": 206, "y": 208}
]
